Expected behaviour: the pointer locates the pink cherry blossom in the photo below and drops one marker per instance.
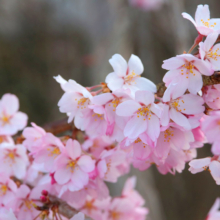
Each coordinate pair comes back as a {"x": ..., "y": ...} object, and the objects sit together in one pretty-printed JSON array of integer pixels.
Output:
[
  {"x": 11, "y": 120},
  {"x": 202, "y": 22},
  {"x": 6, "y": 214},
  {"x": 210, "y": 52},
  {"x": 211, "y": 96},
  {"x": 13, "y": 160},
  {"x": 144, "y": 115},
  {"x": 172, "y": 138},
  {"x": 7, "y": 189},
  {"x": 214, "y": 213},
  {"x": 110, "y": 101},
  {"x": 46, "y": 153},
  {"x": 74, "y": 102},
  {"x": 109, "y": 163},
  {"x": 179, "y": 107},
  {"x": 23, "y": 204},
  {"x": 72, "y": 167},
  {"x": 127, "y": 75},
  {"x": 33, "y": 137},
  {"x": 212, "y": 164},
  {"x": 185, "y": 72}
]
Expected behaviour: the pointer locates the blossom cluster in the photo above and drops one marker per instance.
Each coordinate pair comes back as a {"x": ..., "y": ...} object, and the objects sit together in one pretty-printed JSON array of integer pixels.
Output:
[{"x": 122, "y": 122}]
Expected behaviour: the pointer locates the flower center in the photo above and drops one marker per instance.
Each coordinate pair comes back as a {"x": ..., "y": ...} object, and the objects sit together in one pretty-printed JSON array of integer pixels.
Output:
[
  {"x": 28, "y": 204},
  {"x": 189, "y": 67},
  {"x": 207, "y": 23},
  {"x": 54, "y": 151},
  {"x": 11, "y": 155},
  {"x": 3, "y": 189},
  {"x": 5, "y": 119},
  {"x": 89, "y": 205},
  {"x": 175, "y": 104},
  {"x": 97, "y": 116},
  {"x": 213, "y": 54},
  {"x": 145, "y": 112},
  {"x": 82, "y": 102},
  {"x": 167, "y": 135},
  {"x": 71, "y": 165},
  {"x": 131, "y": 78},
  {"x": 115, "y": 215}
]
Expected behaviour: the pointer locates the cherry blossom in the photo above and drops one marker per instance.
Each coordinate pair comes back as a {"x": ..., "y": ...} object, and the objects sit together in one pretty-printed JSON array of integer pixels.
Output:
[
  {"x": 33, "y": 137},
  {"x": 13, "y": 160},
  {"x": 11, "y": 120},
  {"x": 212, "y": 164},
  {"x": 144, "y": 115},
  {"x": 74, "y": 102},
  {"x": 202, "y": 22},
  {"x": 24, "y": 203},
  {"x": 210, "y": 52},
  {"x": 108, "y": 164},
  {"x": 178, "y": 108},
  {"x": 47, "y": 153},
  {"x": 185, "y": 73},
  {"x": 7, "y": 189},
  {"x": 127, "y": 75},
  {"x": 74, "y": 167}
]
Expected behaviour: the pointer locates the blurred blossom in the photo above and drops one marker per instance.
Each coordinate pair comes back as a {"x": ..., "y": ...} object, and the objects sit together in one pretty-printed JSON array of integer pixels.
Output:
[{"x": 147, "y": 4}]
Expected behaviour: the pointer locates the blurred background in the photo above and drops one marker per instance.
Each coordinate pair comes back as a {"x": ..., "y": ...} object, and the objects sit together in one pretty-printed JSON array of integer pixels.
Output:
[{"x": 40, "y": 39}]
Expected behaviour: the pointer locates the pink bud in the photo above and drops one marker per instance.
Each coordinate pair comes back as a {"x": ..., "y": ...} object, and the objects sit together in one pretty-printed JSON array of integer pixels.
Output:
[
  {"x": 43, "y": 199},
  {"x": 44, "y": 192}
]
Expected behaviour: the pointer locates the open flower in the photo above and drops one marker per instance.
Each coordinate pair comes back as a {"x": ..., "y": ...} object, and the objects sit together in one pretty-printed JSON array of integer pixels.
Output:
[
  {"x": 144, "y": 115},
  {"x": 209, "y": 52},
  {"x": 202, "y": 22},
  {"x": 185, "y": 72},
  {"x": 127, "y": 75},
  {"x": 211, "y": 164},
  {"x": 11, "y": 120},
  {"x": 13, "y": 160},
  {"x": 73, "y": 166},
  {"x": 74, "y": 102}
]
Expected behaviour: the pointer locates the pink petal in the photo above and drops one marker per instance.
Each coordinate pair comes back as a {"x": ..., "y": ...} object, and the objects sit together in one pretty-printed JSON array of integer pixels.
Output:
[
  {"x": 102, "y": 99},
  {"x": 114, "y": 82},
  {"x": 119, "y": 65},
  {"x": 204, "y": 67},
  {"x": 189, "y": 17},
  {"x": 80, "y": 178},
  {"x": 195, "y": 82},
  {"x": 145, "y": 84},
  {"x": 191, "y": 104},
  {"x": 215, "y": 171},
  {"x": 210, "y": 40},
  {"x": 10, "y": 103},
  {"x": 144, "y": 97},
  {"x": 135, "y": 65},
  {"x": 202, "y": 13},
  {"x": 135, "y": 127},
  {"x": 173, "y": 63},
  {"x": 102, "y": 168},
  {"x": 179, "y": 119},
  {"x": 62, "y": 175},
  {"x": 86, "y": 163},
  {"x": 73, "y": 149},
  {"x": 127, "y": 108},
  {"x": 198, "y": 165},
  {"x": 153, "y": 129}
]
